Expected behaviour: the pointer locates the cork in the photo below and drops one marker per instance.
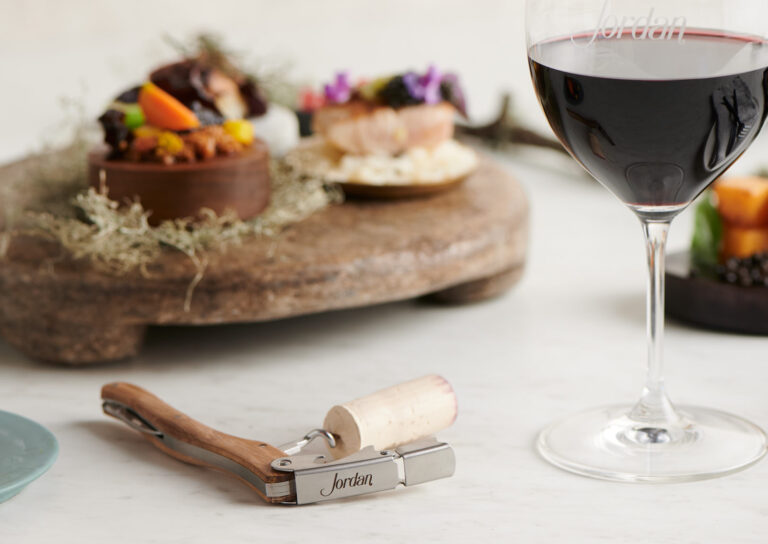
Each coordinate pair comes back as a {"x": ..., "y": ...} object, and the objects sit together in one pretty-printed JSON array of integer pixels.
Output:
[{"x": 394, "y": 416}]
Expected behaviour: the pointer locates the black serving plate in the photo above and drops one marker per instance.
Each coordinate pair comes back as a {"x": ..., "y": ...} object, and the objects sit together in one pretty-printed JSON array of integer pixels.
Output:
[{"x": 712, "y": 304}]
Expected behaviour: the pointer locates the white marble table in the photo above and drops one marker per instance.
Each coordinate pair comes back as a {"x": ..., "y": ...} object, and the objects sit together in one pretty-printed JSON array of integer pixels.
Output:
[{"x": 569, "y": 337}]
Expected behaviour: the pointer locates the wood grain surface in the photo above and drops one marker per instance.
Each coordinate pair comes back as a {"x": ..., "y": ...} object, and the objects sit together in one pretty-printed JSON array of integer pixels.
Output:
[{"x": 469, "y": 243}]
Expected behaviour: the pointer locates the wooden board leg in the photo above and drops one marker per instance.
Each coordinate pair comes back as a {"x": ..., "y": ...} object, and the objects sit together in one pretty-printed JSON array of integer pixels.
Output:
[
  {"x": 74, "y": 343},
  {"x": 479, "y": 290}
]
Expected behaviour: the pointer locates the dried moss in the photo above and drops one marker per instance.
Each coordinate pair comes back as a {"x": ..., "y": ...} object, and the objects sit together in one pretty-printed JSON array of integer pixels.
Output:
[
  {"x": 119, "y": 239},
  {"x": 49, "y": 195}
]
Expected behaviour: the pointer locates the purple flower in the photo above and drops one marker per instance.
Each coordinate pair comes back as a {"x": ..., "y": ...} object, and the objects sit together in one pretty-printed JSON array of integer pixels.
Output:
[
  {"x": 425, "y": 87},
  {"x": 340, "y": 90},
  {"x": 411, "y": 81},
  {"x": 431, "y": 81},
  {"x": 453, "y": 93}
]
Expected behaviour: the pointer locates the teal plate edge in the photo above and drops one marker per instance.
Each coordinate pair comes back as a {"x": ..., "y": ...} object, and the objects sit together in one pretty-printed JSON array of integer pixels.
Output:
[{"x": 43, "y": 461}]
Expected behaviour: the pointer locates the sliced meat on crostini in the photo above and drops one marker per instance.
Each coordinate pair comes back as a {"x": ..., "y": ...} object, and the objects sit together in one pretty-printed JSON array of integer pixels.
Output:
[
  {"x": 363, "y": 129},
  {"x": 428, "y": 125}
]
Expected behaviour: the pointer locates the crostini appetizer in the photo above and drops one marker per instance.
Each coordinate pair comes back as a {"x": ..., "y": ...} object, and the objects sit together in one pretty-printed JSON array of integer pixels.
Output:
[{"x": 391, "y": 131}]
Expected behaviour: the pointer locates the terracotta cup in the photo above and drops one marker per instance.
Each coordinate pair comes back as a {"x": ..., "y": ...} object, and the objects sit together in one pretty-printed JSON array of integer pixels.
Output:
[{"x": 239, "y": 183}]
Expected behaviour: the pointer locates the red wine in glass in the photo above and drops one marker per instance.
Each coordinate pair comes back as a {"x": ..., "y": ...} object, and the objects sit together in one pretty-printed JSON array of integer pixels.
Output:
[
  {"x": 657, "y": 123},
  {"x": 655, "y": 105}
]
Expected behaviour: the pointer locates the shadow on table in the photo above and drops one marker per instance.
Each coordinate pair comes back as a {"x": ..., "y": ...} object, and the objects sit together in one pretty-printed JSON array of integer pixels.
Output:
[
  {"x": 255, "y": 342},
  {"x": 631, "y": 307},
  {"x": 142, "y": 453},
  {"x": 168, "y": 347}
]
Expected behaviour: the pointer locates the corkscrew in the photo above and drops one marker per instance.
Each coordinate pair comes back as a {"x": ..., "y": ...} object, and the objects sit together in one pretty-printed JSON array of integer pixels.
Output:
[{"x": 374, "y": 443}]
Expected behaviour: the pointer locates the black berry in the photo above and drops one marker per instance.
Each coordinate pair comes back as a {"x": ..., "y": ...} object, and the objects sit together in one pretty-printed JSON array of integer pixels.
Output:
[
  {"x": 746, "y": 272},
  {"x": 395, "y": 93},
  {"x": 131, "y": 96},
  {"x": 116, "y": 134}
]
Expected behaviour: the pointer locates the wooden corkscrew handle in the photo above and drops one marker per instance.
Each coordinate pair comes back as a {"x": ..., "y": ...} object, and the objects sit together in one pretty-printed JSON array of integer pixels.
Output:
[{"x": 188, "y": 440}]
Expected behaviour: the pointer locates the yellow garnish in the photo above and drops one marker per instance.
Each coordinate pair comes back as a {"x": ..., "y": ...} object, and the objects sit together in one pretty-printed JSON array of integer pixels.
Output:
[
  {"x": 169, "y": 143},
  {"x": 370, "y": 90},
  {"x": 147, "y": 131},
  {"x": 240, "y": 129}
]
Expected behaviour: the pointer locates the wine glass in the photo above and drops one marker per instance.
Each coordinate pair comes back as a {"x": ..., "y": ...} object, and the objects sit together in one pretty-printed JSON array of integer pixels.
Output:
[{"x": 655, "y": 99}]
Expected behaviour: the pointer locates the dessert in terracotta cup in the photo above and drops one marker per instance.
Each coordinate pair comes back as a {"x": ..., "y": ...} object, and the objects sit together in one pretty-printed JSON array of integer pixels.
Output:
[
  {"x": 389, "y": 137},
  {"x": 182, "y": 141}
]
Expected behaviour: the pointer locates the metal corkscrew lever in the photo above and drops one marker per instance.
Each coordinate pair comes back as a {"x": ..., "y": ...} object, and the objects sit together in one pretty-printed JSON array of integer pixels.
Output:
[
  {"x": 289, "y": 474},
  {"x": 316, "y": 478}
]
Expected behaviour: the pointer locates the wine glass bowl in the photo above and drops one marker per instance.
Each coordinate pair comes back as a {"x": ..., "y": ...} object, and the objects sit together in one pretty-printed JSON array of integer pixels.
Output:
[{"x": 656, "y": 101}]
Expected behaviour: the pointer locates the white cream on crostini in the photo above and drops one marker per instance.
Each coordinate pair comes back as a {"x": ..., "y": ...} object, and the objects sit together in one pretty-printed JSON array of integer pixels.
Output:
[{"x": 447, "y": 162}]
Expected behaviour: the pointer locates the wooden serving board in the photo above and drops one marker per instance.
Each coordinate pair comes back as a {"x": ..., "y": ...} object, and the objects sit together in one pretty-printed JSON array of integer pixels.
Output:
[
  {"x": 713, "y": 304},
  {"x": 459, "y": 246}
]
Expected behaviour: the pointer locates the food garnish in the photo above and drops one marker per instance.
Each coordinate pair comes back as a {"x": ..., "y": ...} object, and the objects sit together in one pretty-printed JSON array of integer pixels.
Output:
[
  {"x": 191, "y": 110},
  {"x": 397, "y": 91},
  {"x": 240, "y": 129},
  {"x": 340, "y": 90},
  {"x": 164, "y": 111},
  {"x": 707, "y": 236}
]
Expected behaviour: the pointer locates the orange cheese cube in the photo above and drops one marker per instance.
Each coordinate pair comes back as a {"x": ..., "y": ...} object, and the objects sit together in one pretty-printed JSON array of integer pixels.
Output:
[
  {"x": 743, "y": 242},
  {"x": 743, "y": 201}
]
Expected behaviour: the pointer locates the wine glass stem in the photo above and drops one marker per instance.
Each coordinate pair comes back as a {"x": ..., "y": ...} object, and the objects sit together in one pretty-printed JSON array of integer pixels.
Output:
[
  {"x": 654, "y": 407},
  {"x": 656, "y": 240}
]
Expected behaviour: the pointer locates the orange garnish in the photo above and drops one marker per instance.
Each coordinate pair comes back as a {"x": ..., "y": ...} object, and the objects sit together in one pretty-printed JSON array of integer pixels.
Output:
[{"x": 164, "y": 111}]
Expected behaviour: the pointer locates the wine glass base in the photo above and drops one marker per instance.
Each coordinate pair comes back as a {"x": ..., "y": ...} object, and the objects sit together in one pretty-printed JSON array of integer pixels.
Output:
[{"x": 605, "y": 443}]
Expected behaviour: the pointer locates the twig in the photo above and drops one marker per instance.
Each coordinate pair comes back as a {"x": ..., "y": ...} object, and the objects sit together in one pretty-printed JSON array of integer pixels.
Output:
[{"x": 504, "y": 130}]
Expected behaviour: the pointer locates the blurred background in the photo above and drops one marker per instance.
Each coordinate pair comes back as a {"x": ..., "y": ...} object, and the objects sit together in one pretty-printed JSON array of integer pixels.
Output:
[
  {"x": 85, "y": 52},
  {"x": 89, "y": 51}
]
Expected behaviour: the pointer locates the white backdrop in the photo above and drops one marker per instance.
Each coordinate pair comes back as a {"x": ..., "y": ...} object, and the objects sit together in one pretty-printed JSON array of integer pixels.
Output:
[{"x": 90, "y": 50}]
